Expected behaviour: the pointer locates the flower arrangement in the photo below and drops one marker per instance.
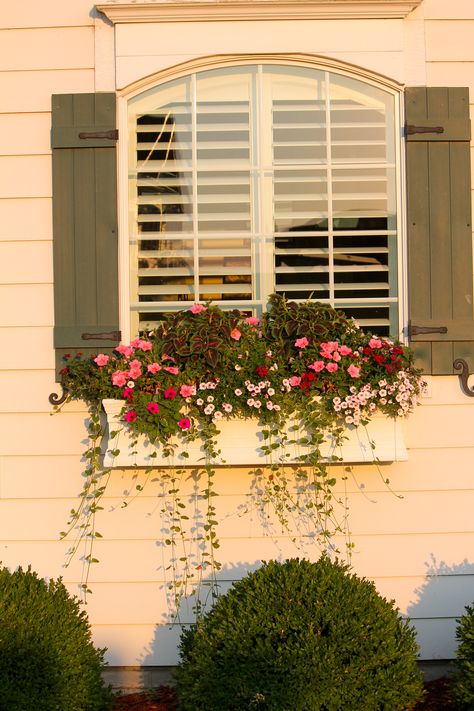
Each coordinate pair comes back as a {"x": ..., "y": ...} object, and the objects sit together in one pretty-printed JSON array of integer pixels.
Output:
[
  {"x": 204, "y": 364},
  {"x": 302, "y": 362}
]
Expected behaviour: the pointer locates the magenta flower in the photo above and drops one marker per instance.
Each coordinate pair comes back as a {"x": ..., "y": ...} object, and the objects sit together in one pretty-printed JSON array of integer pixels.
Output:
[
  {"x": 170, "y": 393},
  {"x": 197, "y": 308},
  {"x": 153, "y": 407},
  {"x": 101, "y": 359},
  {"x": 128, "y": 394},
  {"x": 332, "y": 367},
  {"x": 353, "y": 371},
  {"x": 184, "y": 423},
  {"x": 301, "y": 342},
  {"x": 131, "y": 416}
]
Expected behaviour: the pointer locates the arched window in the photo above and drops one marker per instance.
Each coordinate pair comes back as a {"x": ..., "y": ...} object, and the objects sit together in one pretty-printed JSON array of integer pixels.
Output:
[{"x": 246, "y": 180}]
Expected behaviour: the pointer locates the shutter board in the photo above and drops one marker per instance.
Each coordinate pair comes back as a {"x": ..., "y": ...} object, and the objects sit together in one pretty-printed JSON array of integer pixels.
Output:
[
  {"x": 439, "y": 228},
  {"x": 84, "y": 224}
]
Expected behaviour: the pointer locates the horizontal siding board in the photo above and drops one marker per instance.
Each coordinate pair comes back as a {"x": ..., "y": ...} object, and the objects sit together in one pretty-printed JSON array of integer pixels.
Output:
[
  {"x": 31, "y": 434},
  {"x": 28, "y": 391},
  {"x": 378, "y": 515},
  {"x": 441, "y": 10},
  {"x": 33, "y": 347},
  {"x": 30, "y": 13},
  {"x": 25, "y": 134},
  {"x": 450, "y": 40},
  {"x": 26, "y": 305},
  {"x": 31, "y": 91},
  {"x": 37, "y": 476},
  {"x": 47, "y": 48},
  {"x": 25, "y": 219},
  {"x": 26, "y": 262},
  {"x": 25, "y": 176}
]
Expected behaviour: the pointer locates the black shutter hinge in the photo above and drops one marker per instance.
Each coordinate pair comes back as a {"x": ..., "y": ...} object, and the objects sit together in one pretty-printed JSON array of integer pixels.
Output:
[
  {"x": 111, "y": 135},
  {"x": 410, "y": 129},
  {"x": 104, "y": 336},
  {"x": 416, "y": 330}
]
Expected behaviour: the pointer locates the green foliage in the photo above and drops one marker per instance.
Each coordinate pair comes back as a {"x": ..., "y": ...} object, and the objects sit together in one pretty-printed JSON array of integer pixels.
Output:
[
  {"x": 463, "y": 683},
  {"x": 300, "y": 636},
  {"x": 47, "y": 659}
]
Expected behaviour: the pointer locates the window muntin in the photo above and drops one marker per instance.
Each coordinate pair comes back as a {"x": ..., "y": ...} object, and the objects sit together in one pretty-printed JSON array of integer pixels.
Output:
[{"x": 253, "y": 179}]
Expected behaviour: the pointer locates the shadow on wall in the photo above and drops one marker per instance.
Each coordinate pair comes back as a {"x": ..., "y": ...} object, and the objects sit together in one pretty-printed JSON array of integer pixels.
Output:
[
  {"x": 441, "y": 600},
  {"x": 167, "y": 633}
]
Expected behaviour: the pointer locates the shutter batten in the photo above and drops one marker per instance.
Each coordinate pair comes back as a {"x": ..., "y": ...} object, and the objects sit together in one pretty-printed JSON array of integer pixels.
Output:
[
  {"x": 439, "y": 228},
  {"x": 84, "y": 224}
]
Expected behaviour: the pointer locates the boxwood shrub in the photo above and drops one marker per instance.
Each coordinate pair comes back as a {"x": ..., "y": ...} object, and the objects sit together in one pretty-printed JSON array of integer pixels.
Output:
[
  {"x": 463, "y": 682},
  {"x": 47, "y": 659},
  {"x": 299, "y": 636}
]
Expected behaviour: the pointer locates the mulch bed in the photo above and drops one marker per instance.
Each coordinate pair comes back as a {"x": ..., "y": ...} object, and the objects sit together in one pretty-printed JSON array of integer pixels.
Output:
[{"x": 164, "y": 699}]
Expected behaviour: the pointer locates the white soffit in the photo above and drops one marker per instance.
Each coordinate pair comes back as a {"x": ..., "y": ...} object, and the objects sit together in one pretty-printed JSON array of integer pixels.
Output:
[{"x": 213, "y": 10}]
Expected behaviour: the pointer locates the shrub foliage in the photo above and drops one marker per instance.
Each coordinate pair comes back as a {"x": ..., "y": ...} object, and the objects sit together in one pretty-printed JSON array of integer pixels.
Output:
[
  {"x": 299, "y": 636},
  {"x": 463, "y": 683},
  {"x": 47, "y": 659}
]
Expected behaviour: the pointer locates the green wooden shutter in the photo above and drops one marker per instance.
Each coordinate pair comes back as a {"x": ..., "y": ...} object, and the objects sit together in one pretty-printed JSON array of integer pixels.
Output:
[
  {"x": 439, "y": 236},
  {"x": 84, "y": 224}
]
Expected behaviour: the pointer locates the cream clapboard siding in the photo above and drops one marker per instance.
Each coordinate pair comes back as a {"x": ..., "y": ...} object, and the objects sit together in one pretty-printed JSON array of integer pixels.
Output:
[{"x": 418, "y": 548}]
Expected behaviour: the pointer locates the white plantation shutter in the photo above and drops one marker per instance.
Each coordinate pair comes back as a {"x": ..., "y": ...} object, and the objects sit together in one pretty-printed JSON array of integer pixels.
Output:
[{"x": 248, "y": 180}]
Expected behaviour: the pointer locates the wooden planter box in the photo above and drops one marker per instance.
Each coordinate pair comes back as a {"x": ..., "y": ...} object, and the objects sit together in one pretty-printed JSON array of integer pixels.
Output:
[{"x": 241, "y": 441}]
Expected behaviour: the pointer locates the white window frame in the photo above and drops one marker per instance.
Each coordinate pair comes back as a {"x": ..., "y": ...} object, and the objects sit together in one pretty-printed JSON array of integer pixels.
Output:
[{"x": 207, "y": 63}]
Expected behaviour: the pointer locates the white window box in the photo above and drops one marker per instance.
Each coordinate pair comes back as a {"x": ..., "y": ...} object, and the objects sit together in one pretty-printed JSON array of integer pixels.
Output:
[{"x": 240, "y": 442}]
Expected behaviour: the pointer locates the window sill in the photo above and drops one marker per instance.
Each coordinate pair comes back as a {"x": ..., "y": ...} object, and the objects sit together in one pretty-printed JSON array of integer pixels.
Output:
[{"x": 240, "y": 442}]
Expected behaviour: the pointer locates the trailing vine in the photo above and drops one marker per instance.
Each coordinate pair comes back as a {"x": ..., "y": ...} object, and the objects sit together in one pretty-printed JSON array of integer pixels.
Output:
[{"x": 304, "y": 371}]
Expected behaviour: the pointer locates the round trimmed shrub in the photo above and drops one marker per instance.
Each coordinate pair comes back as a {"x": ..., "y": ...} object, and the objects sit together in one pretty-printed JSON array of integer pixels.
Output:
[
  {"x": 47, "y": 659},
  {"x": 299, "y": 636},
  {"x": 463, "y": 682}
]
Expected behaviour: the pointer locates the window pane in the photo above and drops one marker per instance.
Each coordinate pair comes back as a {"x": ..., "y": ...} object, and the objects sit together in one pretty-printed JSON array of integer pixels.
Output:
[{"x": 251, "y": 179}]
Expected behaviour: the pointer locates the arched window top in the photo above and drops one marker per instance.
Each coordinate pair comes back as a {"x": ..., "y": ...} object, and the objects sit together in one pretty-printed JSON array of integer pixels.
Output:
[{"x": 257, "y": 177}]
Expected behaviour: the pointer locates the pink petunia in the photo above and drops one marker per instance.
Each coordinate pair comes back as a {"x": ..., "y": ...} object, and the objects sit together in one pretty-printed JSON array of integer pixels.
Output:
[
  {"x": 301, "y": 342},
  {"x": 354, "y": 371},
  {"x": 184, "y": 423},
  {"x": 235, "y": 334},
  {"x": 172, "y": 369},
  {"x": 170, "y": 393},
  {"x": 345, "y": 350},
  {"x": 153, "y": 407},
  {"x": 126, "y": 351},
  {"x": 197, "y": 308},
  {"x": 375, "y": 343},
  {"x": 332, "y": 367},
  {"x": 141, "y": 344},
  {"x": 317, "y": 366},
  {"x": 153, "y": 367},
  {"x": 294, "y": 380},
  {"x": 101, "y": 359},
  {"x": 187, "y": 390},
  {"x": 131, "y": 416},
  {"x": 252, "y": 320},
  {"x": 119, "y": 378}
]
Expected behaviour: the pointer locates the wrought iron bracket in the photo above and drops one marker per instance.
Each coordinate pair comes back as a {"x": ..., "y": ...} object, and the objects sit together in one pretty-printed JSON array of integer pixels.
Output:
[
  {"x": 460, "y": 364},
  {"x": 56, "y": 399}
]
